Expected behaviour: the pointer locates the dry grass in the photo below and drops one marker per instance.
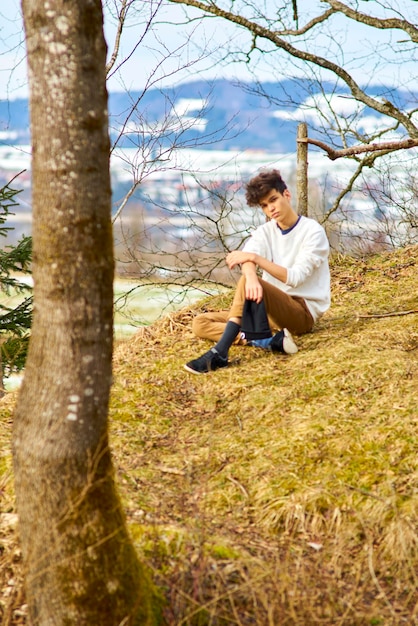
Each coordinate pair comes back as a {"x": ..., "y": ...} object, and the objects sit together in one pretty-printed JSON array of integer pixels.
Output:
[{"x": 282, "y": 490}]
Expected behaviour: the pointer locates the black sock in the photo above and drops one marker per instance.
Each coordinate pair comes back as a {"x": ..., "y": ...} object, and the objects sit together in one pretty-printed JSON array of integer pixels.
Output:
[{"x": 225, "y": 342}]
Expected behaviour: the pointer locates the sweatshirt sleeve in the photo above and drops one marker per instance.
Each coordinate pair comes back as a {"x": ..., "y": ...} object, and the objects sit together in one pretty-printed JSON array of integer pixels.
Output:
[{"x": 258, "y": 244}]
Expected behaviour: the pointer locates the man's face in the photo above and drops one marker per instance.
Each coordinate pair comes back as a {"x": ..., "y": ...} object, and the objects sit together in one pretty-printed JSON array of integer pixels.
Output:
[{"x": 277, "y": 207}]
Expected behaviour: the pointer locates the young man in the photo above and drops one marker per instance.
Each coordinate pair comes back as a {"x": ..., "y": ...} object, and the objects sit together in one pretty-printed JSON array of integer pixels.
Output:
[{"x": 294, "y": 289}]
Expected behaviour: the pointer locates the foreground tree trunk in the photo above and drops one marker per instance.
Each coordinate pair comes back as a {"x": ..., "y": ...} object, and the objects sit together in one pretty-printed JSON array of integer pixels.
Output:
[{"x": 81, "y": 567}]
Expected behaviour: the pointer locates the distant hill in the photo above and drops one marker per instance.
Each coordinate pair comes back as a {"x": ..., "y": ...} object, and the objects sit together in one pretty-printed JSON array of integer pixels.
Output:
[{"x": 229, "y": 115}]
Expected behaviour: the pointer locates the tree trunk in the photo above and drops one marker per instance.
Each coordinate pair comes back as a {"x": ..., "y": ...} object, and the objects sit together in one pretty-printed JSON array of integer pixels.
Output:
[{"x": 81, "y": 567}]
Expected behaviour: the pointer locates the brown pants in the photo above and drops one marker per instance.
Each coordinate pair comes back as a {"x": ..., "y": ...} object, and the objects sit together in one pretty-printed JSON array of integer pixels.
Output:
[{"x": 283, "y": 311}]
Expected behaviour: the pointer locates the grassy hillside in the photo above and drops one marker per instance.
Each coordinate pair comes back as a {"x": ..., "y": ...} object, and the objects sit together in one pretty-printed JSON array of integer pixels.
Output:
[{"x": 281, "y": 490}]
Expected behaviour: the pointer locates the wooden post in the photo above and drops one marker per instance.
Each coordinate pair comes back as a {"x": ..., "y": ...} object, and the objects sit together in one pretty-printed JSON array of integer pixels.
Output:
[{"x": 302, "y": 170}]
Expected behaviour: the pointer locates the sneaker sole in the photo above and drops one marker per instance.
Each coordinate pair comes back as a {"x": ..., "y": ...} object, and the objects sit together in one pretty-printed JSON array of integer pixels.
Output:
[
  {"x": 192, "y": 371},
  {"x": 289, "y": 346}
]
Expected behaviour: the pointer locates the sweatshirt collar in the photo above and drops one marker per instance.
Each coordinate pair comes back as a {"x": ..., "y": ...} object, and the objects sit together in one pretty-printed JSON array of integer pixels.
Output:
[{"x": 287, "y": 230}]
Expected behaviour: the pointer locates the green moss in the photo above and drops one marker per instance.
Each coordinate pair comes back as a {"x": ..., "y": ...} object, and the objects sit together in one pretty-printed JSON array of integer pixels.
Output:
[{"x": 223, "y": 552}]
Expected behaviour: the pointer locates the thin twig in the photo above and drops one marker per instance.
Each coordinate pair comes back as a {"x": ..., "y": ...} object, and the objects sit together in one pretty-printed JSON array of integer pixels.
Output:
[
  {"x": 238, "y": 484},
  {"x": 364, "y": 492},
  {"x": 391, "y": 314}
]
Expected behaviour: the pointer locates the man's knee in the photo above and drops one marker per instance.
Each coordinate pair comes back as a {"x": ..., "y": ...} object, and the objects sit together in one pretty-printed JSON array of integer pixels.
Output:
[
  {"x": 241, "y": 283},
  {"x": 198, "y": 324}
]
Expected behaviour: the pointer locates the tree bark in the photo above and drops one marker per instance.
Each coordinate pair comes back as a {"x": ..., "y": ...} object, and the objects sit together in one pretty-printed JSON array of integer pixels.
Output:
[
  {"x": 302, "y": 169},
  {"x": 81, "y": 567}
]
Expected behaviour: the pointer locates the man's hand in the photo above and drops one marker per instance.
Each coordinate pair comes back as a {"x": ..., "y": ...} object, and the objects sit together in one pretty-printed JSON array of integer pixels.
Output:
[
  {"x": 238, "y": 257},
  {"x": 253, "y": 289}
]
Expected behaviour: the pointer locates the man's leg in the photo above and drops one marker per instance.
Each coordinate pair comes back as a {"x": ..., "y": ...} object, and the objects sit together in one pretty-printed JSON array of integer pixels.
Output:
[
  {"x": 217, "y": 356},
  {"x": 232, "y": 329},
  {"x": 283, "y": 312},
  {"x": 286, "y": 311},
  {"x": 210, "y": 325}
]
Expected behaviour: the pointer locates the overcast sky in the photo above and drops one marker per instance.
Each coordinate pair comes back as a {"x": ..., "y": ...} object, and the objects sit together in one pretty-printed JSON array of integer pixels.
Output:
[{"x": 164, "y": 54}]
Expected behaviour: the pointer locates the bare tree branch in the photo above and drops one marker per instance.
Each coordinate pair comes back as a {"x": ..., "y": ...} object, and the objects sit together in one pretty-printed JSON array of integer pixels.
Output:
[
  {"x": 121, "y": 22},
  {"x": 334, "y": 154},
  {"x": 375, "y": 22},
  {"x": 348, "y": 188},
  {"x": 391, "y": 314},
  {"x": 384, "y": 107},
  {"x": 308, "y": 26}
]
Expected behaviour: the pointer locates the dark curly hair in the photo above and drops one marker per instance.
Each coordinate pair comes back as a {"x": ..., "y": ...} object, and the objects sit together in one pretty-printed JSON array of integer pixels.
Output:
[{"x": 262, "y": 184}]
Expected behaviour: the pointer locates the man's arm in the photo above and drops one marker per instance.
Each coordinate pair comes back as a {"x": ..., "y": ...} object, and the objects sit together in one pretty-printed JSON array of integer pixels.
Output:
[
  {"x": 249, "y": 262},
  {"x": 239, "y": 257}
]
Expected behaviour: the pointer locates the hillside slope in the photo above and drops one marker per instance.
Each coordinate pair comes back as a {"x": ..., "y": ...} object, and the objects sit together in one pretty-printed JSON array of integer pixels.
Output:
[{"x": 281, "y": 490}]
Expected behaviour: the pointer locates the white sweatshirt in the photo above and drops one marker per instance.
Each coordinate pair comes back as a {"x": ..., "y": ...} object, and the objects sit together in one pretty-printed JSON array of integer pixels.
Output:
[{"x": 303, "y": 250}]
